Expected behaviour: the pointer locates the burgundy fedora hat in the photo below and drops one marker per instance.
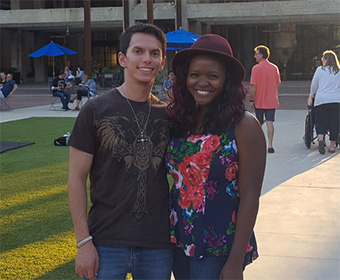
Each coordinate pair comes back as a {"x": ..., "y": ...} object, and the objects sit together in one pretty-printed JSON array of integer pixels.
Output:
[{"x": 215, "y": 45}]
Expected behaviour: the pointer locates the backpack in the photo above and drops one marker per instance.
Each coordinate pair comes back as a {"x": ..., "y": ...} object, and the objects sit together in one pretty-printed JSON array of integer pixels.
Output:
[{"x": 63, "y": 140}]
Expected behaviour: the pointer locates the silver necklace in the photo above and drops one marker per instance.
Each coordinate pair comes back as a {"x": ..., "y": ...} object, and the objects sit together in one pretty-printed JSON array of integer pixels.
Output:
[
  {"x": 142, "y": 137},
  {"x": 142, "y": 159}
]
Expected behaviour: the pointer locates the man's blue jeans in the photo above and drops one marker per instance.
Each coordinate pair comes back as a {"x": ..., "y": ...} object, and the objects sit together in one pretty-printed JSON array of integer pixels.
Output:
[
  {"x": 142, "y": 263},
  {"x": 64, "y": 98}
]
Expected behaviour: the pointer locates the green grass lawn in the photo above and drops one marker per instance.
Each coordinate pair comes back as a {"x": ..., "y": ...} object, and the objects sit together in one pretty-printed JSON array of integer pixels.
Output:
[
  {"x": 37, "y": 240},
  {"x": 36, "y": 231}
]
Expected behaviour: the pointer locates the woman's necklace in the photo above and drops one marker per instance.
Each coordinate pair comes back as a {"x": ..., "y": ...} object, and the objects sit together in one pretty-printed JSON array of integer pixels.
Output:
[{"x": 142, "y": 137}]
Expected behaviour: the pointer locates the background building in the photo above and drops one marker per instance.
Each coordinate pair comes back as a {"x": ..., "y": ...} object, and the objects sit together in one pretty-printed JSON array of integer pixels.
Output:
[{"x": 297, "y": 32}]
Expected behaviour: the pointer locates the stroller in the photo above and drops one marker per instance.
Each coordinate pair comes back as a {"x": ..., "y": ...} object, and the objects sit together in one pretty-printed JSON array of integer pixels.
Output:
[{"x": 310, "y": 136}]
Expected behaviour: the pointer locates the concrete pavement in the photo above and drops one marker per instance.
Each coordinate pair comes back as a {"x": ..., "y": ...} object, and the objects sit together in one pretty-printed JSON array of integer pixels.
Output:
[
  {"x": 298, "y": 225},
  {"x": 298, "y": 229}
]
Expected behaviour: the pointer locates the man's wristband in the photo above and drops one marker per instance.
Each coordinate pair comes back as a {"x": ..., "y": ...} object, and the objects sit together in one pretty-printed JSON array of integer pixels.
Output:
[
  {"x": 251, "y": 100},
  {"x": 83, "y": 242}
]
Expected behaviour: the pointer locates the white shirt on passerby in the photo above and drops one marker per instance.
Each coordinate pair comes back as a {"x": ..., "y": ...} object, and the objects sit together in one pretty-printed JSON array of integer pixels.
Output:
[{"x": 326, "y": 85}]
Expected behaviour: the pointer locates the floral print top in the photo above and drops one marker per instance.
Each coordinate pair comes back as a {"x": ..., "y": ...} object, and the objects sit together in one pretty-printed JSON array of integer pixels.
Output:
[{"x": 203, "y": 202}]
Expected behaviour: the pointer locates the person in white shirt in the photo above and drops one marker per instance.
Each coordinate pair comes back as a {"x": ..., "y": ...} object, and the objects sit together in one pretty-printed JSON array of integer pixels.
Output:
[{"x": 325, "y": 90}]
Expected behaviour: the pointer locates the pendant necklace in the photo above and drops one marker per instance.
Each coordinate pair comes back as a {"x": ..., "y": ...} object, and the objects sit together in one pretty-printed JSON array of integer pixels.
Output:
[
  {"x": 143, "y": 148},
  {"x": 142, "y": 137}
]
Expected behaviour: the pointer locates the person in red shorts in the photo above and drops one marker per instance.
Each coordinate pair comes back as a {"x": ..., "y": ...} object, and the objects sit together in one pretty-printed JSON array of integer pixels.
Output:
[{"x": 263, "y": 92}]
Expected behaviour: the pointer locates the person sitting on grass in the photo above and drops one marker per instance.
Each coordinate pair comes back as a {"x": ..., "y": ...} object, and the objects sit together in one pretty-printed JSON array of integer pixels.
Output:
[{"x": 87, "y": 89}]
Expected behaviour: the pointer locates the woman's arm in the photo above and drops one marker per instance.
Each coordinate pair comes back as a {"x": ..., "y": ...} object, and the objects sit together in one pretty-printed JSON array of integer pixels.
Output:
[
  {"x": 313, "y": 87},
  {"x": 87, "y": 260},
  {"x": 251, "y": 145}
]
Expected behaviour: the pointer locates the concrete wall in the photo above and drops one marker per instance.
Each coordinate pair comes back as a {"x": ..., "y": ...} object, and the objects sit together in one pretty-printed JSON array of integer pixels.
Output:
[
  {"x": 307, "y": 11},
  {"x": 18, "y": 27}
]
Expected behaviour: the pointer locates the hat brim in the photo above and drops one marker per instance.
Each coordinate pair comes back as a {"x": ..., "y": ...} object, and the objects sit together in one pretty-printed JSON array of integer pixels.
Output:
[{"x": 231, "y": 64}]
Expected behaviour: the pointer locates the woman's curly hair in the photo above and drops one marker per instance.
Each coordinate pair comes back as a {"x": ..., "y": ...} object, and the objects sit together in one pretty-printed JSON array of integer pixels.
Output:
[{"x": 226, "y": 108}]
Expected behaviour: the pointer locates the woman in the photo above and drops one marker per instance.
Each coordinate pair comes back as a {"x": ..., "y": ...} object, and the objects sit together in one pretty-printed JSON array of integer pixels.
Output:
[
  {"x": 216, "y": 146},
  {"x": 2, "y": 78},
  {"x": 79, "y": 75},
  {"x": 325, "y": 88}
]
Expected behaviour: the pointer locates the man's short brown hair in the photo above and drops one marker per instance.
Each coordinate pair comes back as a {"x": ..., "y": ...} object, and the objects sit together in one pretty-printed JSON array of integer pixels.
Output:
[{"x": 263, "y": 50}]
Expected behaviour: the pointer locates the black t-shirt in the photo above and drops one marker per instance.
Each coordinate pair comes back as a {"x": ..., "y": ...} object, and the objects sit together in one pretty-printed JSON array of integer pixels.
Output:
[
  {"x": 123, "y": 174},
  {"x": 58, "y": 82}
]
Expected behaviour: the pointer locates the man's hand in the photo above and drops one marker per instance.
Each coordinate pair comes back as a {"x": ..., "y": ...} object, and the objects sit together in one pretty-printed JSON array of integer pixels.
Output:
[
  {"x": 87, "y": 261},
  {"x": 251, "y": 105},
  {"x": 252, "y": 92}
]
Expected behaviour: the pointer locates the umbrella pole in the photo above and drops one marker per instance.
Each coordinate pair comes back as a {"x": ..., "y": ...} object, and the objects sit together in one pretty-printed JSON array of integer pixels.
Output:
[{"x": 53, "y": 67}]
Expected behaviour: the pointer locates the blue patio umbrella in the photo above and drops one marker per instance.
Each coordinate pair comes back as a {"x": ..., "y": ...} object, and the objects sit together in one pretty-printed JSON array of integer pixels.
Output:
[
  {"x": 180, "y": 40},
  {"x": 52, "y": 49}
]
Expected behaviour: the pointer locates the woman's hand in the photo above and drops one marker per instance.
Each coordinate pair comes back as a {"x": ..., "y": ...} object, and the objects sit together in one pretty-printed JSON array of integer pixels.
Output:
[
  {"x": 310, "y": 100},
  {"x": 231, "y": 271}
]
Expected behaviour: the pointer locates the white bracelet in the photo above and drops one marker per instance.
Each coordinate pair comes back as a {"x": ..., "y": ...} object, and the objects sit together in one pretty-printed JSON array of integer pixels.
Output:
[{"x": 83, "y": 242}]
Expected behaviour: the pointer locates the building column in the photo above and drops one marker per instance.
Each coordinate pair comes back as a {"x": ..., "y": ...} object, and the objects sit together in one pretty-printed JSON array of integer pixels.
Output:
[
  {"x": 40, "y": 63},
  {"x": 16, "y": 61},
  {"x": 247, "y": 49},
  {"x": 132, "y": 6},
  {"x": 184, "y": 21},
  {"x": 15, "y": 4}
]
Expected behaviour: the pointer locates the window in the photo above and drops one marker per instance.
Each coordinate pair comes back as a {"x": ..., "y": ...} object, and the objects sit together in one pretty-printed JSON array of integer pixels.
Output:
[{"x": 105, "y": 56}]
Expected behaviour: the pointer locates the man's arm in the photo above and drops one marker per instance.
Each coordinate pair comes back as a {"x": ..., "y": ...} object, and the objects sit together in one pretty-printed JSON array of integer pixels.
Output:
[
  {"x": 15, "y": 87},
  {"x": 87, "y": 260},
  {"x": 252, "y": 92}
]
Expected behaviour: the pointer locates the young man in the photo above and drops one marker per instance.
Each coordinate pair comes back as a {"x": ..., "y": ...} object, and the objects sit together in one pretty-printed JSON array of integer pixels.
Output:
[
  {"x": 9, "y": 87},
  {"x": 120, "y": 139},
  {"x": 264, "y": 88},
  {"x": 58, "y": 88}
]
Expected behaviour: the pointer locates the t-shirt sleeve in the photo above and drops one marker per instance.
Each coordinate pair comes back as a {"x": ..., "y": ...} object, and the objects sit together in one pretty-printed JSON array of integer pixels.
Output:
[
  {"x": 315, "y": 81},
  {"x": 83, "y": 136},
  {"x": 55, "y": 82}
]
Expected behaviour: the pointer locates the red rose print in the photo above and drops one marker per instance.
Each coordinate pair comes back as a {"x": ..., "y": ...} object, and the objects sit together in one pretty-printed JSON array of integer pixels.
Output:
[
  {"x": 173, "y": 239},
  {"x": 186, "y": 195},
  {"x": 190, "y": 250},
  {"x": 177, "y": 178},
  {"x": 233, "y": 218},
  {"x": 249, "y": 248},
  {"x": 192, "y": 175},
  {"x": 173, "y": 217},
  {"x": 202, "y": 159},
  {"x": 210, "y": 143},
  {"x": 231, "y": 171},
  {"x": 197, "y": 200},
  {"x": 195, "y": 138}
]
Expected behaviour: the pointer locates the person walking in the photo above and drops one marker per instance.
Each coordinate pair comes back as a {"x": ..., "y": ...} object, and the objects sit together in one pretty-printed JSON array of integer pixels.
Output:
[
  {"x": 264, "y": 89},
  {"x": 120, "y": 139},
  {"x": 325, "y": 91},
  {"x": 216, "y": 145}
]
